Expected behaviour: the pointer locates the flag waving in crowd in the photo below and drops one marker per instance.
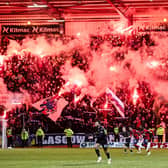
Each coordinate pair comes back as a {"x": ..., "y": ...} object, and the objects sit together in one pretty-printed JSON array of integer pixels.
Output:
[
  {"x": 119, "y": 105},
  {"x": 55, "y": 114},
  {"x": 51, "y": 106}
]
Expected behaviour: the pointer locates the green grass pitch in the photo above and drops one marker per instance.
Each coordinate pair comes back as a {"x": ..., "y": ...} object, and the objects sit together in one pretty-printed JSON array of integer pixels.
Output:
[{"x": 79, "y": 158}]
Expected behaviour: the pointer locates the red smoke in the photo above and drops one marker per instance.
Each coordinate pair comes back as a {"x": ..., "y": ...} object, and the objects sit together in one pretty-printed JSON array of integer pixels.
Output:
[{"x": 104, "y": 68}]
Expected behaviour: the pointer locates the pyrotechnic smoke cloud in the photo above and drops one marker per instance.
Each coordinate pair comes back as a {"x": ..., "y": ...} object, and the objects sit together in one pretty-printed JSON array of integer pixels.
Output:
[
  {"x": 104, "y": 69},
  {"x": 11, "y": 100}
]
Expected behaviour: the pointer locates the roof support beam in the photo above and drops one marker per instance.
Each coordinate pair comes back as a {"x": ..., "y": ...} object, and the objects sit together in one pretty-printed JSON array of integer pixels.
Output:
[
  {"x": 117, "y": 9},
  {"x": 123, "y": 10},
  {"x": 53, "y": 9}
]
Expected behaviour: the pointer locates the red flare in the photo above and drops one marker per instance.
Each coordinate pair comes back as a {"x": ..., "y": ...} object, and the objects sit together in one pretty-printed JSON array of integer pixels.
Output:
[{"x": 135, "y": 96}]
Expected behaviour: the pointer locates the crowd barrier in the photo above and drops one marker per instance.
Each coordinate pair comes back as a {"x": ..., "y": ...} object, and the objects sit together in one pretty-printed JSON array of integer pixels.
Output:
[{"x": 80, "y": 140}]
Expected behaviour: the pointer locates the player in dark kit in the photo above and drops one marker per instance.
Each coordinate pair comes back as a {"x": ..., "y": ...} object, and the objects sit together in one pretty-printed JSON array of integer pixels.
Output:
[
  {"x": 126, "y": 134},
  {"x": 136, "y": 134},
  {"x": 146, "y": 140},
  {"x": 101, "y": 139}
]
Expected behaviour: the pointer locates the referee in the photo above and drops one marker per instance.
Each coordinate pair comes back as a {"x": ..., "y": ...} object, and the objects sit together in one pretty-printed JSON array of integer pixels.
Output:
[{"x": 101, "y": 139}]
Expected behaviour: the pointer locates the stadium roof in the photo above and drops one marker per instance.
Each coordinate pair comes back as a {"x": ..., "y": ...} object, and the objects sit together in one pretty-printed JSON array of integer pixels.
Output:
[{"x": 49, "y": 11}]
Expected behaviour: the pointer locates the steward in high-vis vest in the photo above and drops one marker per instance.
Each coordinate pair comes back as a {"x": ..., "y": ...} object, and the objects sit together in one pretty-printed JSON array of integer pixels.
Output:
[
  {"x": 160, "y": 133},
  {"x": 69, "y": 133},
  {"x": 9, "y": 137},
  {"x": 24, "y": 137},
  {"x": 39, "y": 137}
]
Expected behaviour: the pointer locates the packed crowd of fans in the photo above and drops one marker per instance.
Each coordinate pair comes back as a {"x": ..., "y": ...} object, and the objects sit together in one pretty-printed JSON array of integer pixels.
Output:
[
  {"x": 135, "y": 41},
  {"x": 42, "y": 78}
]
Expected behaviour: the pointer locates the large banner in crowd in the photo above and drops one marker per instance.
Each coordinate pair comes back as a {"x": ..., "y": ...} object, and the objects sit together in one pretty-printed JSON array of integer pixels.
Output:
[
  {"x": 32, "y": 29},
  {"x": 52, "y": 106}
]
